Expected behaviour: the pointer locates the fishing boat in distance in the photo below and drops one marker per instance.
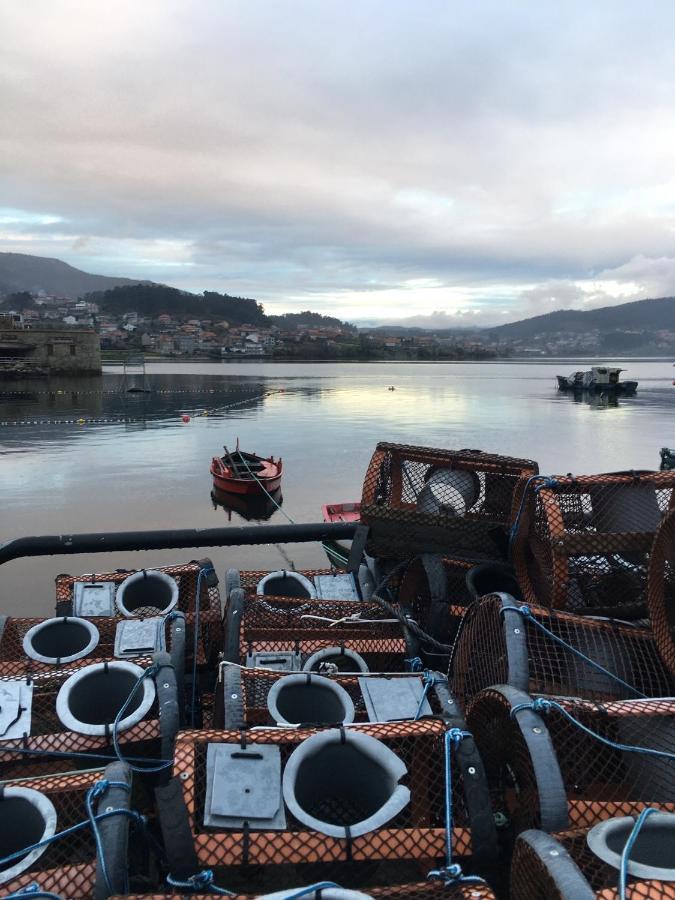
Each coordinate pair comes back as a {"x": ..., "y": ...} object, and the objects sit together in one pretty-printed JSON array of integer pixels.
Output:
[
  {"x": 598, "y": 378},
  {"x": 245, "y": 473}
]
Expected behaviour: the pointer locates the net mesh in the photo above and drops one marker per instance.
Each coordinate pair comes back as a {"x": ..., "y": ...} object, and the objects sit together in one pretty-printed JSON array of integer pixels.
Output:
[
  {"x": 661, "y": 592},
  {"x": 582, "y": 544},
  {"x": 186, "y": 577},
  {"x": 423, "y": 500},
  {"x": 67, "y": 866},
  {"x": 486, "y": 653},
  {"x": 414, "y": 837},
  {"x": 531, "y": 877},
  {"x": 256, "y": 685},
  {"x": 600, "y": 781},
  {"x": 273, "y": 624}
]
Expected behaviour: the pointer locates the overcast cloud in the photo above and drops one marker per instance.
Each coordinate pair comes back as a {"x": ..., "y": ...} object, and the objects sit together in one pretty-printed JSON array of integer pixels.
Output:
[{"x": 374, "y": 160}]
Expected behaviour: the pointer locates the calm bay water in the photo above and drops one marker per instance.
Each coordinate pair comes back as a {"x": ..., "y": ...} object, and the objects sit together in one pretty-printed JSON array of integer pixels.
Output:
[{"x": 69, "y": 463}]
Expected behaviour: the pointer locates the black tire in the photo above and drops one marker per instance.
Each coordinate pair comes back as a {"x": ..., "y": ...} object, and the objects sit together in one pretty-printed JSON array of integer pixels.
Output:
[{"x": 233, "y": 620}]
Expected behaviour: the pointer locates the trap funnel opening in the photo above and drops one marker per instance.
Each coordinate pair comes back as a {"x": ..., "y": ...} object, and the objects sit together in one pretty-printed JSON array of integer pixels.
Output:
[
  {"x": 147, "y": 590},
  {"x": 335, "y": 659},
  {"x": 342, "y": 783},
  {"x": 61, "y": 640},
  {"x": 26, "y": 818},
  {"x": 286, "y": 584},
  {"x": 652, "y": 856},
  {"x": 90, "y": 700},
  {"x": 309, "y": 699}
]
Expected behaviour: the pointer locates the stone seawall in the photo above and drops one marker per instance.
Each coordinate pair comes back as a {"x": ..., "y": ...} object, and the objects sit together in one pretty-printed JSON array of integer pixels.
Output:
[{"x": 59, "y": 352}]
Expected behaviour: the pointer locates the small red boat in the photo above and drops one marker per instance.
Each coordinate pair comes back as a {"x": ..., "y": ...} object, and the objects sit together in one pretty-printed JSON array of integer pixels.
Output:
[
  {"x": 245, "y": 473},
  {"x": 341, "y": 512}
]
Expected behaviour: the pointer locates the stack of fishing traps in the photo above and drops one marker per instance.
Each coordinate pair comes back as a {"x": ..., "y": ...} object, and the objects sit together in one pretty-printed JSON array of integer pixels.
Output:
[{"x": 483, "y": 707}]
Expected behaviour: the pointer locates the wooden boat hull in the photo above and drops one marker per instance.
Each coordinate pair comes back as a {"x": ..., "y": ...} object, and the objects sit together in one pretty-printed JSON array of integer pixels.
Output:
[{"x": 267, "y": 477}]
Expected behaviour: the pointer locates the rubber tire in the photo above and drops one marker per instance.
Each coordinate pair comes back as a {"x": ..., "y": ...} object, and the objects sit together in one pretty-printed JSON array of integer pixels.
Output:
[{"x": 233, "y": 621}]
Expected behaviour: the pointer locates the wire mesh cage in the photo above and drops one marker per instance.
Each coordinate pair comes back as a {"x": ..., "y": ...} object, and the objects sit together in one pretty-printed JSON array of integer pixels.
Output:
[
  {"x": 553, "y": 653},
  {"x": 48, "y": 650},
  {"x": 563, "y": 867},
  {"x": 410, "y": 841},
  {"x": 583, "y": 543},
  {"x": 260, "y": 629},
  {"x": 434, "y": 589},
  {"x": 52, "y": 725},
  {"x": 35, "y": 811},
  {"x": 204, "y": 611},
  {"x": 250, "y": 697},
  {"x": 661, "y": 590},
  {"x": 423, "y": 500},
  {"x": 575, "y": 762}
]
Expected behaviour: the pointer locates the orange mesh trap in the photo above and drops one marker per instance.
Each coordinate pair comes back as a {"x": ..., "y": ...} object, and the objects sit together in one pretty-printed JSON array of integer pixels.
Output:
[
  {"x": 546, "y": 772},
  {"x": 186, "y": 577},
  {"x": 423, "y": 500},
  {"x": 562, "y": 867},
  {"x": 274, "y": 624},
  {"x": 67, "y": 866},
  {"x": 409, "y": 844},
  {"x": 661, "y": 592},
  {"x": 421, "y": 890},
  {"x": 583, "y": 544},
  {"x": 498, "y": 645}
]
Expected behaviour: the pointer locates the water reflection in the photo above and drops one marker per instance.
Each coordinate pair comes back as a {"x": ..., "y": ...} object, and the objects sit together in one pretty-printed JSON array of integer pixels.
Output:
[
  {"x": 252, "y": 509},
  {"x": 595, "y": 399}
]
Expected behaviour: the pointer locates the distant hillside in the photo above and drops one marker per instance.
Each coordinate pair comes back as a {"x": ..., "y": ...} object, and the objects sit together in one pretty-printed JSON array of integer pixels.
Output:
[
  {"x": 291, "y": 321},
  {"x": 642, "y": 316},
  {"x": 154, "y": 299},
  {"x": 21, "y": 272}
]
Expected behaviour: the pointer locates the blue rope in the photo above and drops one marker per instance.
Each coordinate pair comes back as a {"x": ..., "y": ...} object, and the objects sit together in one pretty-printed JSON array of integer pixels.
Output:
[
  {"x": 147, "y": 673},
  {"x": 74, "y": 754},
  {"x": 199, "y": 883},
  {"x": 625, "y": 853},
  {"x": 414, "y": 664},
  {"x": 33, "y": 892},
  {"x": 94, "y": 792},
  {"x": 546, "y": 481},
  {"x": 451, "y": 872},
  {"x": 542, "y": 705},
  {"x": 73, "y": 829},
  {"x": 429, "y": 679},
  {"x": 526, "y": 613},
  {"x": 311, "y": 889}
]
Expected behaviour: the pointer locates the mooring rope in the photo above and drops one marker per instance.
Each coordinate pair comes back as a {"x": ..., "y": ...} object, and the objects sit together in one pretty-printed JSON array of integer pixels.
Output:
[{"x": 628, "y": 846}]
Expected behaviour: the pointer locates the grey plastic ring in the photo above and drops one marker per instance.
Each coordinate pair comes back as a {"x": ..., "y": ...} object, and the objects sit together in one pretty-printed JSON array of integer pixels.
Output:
[
  {"x": 87, "y": 688},
  {"x": 607, "y": 839},
  {"x": 59, "y": 634},
  {"x": 303, "y": 583},
  {"x": 360, "y": 665},
  {"x": 43, "y": 806},
  {"x": 155, "y": 582},
  {"x": 320, "y": 700}
]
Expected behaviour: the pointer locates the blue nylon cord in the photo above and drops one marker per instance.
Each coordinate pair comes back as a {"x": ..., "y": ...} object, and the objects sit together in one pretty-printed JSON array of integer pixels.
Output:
[
  {"x": 451, "y": 872},
  {"x": 429, "y": 680},
  {"x": 546, "y": 481},
  {"x": 33, "y": 892},
  {"x": 543, "y": 705},
  {"x": 94, "y": 793},
  {"x": 628, "y": 846},
  {"x": 200, "y": 882},
  {"x": 526, "y": 613},
  {"x": 311, "y": 889},
  {"x": 147, "y": 673}
]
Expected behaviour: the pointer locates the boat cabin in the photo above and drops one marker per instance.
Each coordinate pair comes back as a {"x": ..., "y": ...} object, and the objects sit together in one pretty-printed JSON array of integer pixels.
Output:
[{"x": 605, "y": 375}]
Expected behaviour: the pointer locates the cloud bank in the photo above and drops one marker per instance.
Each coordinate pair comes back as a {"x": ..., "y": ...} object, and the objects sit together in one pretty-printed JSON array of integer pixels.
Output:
[{"x": 374, "y": 160}]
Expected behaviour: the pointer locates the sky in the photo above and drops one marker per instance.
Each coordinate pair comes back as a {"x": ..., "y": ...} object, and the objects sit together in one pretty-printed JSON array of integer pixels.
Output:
[{"x": 453, "y": 162}]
